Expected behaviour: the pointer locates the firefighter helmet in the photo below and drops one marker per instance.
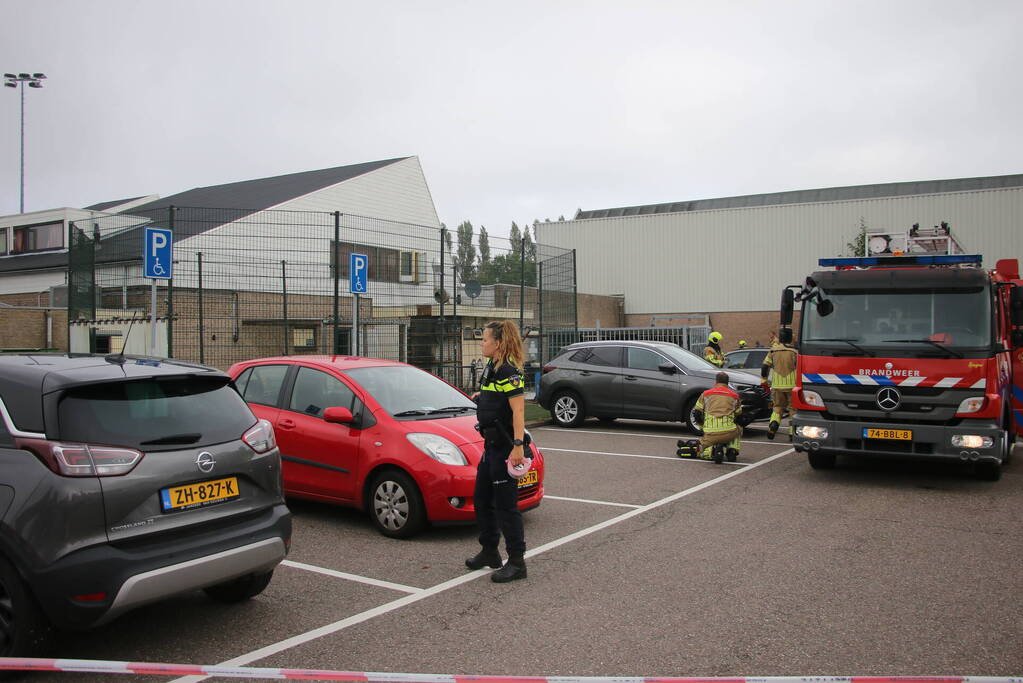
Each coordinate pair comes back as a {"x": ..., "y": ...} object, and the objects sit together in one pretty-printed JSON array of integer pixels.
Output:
[
  {"x": 742, "y": 343},
  {"x": 714, "y": 337}
]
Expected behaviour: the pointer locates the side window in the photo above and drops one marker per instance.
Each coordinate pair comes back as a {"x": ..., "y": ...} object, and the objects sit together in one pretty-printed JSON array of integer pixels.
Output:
[
  {"x": 756, "y": 359},
  {"x": 643, "y": 359},
  {"x": 316, "y": 391},
  {"x": 263, "y": 384},
  {"x": 737, "y": 360},
  {"x": 580, "y": 356},
  {"x": 610, "y": 356}
]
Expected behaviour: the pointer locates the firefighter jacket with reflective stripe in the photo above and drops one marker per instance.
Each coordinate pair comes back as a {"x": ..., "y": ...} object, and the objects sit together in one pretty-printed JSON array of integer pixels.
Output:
[
  {"x": 720, "y": 405},
  {"x": 712, "y": 353},
  {"x": 782, "y": 361},
  {"x": 496, "y": 386}
]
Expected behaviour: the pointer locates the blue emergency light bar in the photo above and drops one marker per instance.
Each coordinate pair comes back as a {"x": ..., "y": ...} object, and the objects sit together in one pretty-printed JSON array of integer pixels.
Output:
[{"x": 918, "y": 260}]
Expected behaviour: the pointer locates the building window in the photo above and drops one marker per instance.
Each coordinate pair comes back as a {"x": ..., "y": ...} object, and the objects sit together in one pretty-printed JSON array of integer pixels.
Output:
[
  {"x": 43, "y": 237},
  {"x": 384, "y": 263},
  {"x": 303, "y": 338},
  {"x": 3, "y": 241}
]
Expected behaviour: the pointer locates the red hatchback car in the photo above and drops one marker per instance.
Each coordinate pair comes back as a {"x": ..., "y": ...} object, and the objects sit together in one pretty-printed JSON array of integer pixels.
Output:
[{"x": 378, "y": 435}]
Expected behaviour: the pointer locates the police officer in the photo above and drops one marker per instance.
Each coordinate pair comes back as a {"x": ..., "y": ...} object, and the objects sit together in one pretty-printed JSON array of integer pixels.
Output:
[
  {"x": 780, "y": 364},
  {"x": 712, "y": 352},
  {"x": 501, "y": 416},
  {"x": 719, "y": 408}
]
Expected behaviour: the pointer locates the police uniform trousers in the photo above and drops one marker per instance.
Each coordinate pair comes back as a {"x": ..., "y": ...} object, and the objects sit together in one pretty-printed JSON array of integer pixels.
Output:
[{"x": 496, "y": 498}]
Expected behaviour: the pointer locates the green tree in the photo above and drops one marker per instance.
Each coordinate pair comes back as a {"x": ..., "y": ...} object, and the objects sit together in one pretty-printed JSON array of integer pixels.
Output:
[
  {"x": 465, "y": 257},
  {"x": 858, "y": 245}
]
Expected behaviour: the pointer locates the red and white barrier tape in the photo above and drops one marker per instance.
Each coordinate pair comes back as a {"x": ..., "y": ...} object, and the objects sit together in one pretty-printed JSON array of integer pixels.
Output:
[{"x": 155, "y": 669}]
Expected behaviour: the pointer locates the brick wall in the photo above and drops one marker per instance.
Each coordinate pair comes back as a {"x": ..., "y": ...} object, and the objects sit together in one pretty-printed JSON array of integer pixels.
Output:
[
  {"x": 609, "y": 310},
  {"x": 25, "y": 328},
  {"x": 753, "y": 326}
]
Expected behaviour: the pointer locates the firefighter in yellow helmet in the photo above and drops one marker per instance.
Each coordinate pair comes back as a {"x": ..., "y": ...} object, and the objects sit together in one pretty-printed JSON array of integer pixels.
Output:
[
  {"x": 742, "y": 343},
  {"x": 780, "y": 363},
  {"x": 712, "y": 352}
]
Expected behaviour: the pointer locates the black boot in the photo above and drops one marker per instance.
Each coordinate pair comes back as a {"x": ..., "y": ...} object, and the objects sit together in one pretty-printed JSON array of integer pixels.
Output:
[
  {"x": 514, "y": 568},
  {"x": 772, "y": 429},
  {"x": 488, "y": 557},
  {"x": 732, "y": 454},
  {"x": 718, "y": 454}
]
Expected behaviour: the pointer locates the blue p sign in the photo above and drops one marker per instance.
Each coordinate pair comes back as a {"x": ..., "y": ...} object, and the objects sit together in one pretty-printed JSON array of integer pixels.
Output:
[
  {"x": 358, "y": 267},
  {"x": 157, "y": 256}
]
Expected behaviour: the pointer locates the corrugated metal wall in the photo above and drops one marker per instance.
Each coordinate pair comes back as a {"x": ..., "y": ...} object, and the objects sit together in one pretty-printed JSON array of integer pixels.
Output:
[{"x": 740, "y": 259}]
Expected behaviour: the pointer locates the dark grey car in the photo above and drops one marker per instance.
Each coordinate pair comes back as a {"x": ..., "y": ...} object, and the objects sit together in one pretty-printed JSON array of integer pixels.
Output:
[
  {"x": 126, "y": 480},
  {"x": 638, "y": 380},
  {"x": 750, "y": 358}
]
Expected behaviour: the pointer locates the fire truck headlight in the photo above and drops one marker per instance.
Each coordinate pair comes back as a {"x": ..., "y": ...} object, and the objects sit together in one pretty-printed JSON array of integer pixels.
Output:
[
  {"x": 813, "y": 399},
  {"x": 812, "y": 432},
  {"x": 974, "y": 404},
  {"x": 971, "y": 441}
]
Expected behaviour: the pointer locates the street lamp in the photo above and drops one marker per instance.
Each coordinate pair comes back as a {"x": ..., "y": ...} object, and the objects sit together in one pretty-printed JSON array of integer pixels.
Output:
[{"x": 13, "y": 81}]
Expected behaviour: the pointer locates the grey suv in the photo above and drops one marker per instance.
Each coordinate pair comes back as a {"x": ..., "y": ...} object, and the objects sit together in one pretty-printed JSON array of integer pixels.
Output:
[
  {"x": 125, "y": 480},
  {"x": 638, "y": 380}
]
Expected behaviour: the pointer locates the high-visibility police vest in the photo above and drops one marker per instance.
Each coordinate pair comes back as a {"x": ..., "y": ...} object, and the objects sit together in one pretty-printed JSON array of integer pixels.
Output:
[
  {"x": 720, "y": 405},
  {"x": 782, "y": 361}
]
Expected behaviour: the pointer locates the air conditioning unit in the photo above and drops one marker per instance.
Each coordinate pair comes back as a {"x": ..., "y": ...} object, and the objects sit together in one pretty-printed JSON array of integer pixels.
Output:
[{"x": 409, "y": 267}]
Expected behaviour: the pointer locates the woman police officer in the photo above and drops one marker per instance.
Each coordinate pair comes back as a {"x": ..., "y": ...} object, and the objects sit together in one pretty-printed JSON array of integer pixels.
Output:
[{"x": 501, "y": 415}]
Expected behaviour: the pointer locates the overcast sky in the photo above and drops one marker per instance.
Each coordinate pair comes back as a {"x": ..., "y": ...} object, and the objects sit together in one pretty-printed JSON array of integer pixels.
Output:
[{"x": 517, "y": 110}]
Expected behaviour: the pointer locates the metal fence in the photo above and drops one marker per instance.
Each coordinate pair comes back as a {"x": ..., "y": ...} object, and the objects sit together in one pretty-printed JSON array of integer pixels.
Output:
[
  {"x": 690, "y": 337},
  {"x": 250, "y": 284}
]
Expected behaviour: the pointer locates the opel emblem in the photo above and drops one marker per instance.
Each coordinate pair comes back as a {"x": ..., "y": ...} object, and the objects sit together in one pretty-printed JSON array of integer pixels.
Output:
[
  {"x": 888, "y": 399},
  {"x": 205, "y": 461}
]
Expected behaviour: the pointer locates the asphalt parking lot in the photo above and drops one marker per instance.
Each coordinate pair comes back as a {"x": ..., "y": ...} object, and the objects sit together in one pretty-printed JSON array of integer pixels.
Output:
[{"x": 640, "y": 564}]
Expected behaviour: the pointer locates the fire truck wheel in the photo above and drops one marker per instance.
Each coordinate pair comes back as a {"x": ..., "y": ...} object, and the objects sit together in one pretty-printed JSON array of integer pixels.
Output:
[
  {"x": 821, "y": 461},
  {"x": 988, "y": 471}
]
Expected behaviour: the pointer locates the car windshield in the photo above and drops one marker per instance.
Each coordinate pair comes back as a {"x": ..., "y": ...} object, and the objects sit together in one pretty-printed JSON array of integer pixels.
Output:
[
  {"x": 408, "y": 392},
  {"x": 865, "y": 321},
  {"x": 688, "y": 360},
  {"x": 155, "y": 414}
]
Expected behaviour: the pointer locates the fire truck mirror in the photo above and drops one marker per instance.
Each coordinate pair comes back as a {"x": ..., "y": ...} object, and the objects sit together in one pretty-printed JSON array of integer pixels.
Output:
[
  {"x": 825, "y": 308},
  {"x": 785, "y": 335},
  {"x": 1016, "y": 339},
  {"x": 787, "y": 298},
  {"x": 1016, "y": 306}
]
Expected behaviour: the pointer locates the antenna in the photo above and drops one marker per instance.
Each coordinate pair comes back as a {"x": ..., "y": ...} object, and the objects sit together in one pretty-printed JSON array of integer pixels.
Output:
[{"x": 119, "y": 358}]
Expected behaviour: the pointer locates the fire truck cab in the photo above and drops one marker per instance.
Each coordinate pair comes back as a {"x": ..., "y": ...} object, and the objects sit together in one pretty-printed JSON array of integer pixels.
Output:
[{"x": 913, "y": 352}]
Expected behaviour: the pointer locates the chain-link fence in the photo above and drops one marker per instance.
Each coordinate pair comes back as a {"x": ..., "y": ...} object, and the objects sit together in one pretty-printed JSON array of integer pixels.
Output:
[{"x": 250, "y": 284}]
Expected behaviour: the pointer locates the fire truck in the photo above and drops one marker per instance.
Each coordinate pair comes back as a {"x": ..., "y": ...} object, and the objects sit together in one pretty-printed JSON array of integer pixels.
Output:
[{"x": 910, "y": 351}]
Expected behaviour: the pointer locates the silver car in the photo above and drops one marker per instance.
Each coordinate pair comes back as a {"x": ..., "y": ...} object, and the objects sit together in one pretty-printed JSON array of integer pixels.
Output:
[
  {"x": 124, "y": 481},
  {"x": 636, "y": 380}
]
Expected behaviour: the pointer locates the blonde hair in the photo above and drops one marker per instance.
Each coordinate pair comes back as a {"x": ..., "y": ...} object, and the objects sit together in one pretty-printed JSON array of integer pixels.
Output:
[{"x": 509, "y": 343}]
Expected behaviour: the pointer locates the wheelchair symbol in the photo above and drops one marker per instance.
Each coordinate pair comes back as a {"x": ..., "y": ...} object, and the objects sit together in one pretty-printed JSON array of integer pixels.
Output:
[{"x": 158, "y": 269}]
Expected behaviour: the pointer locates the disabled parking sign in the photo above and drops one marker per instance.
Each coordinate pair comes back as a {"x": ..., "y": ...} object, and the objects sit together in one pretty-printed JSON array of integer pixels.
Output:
[{"x": 157, "y": 255}]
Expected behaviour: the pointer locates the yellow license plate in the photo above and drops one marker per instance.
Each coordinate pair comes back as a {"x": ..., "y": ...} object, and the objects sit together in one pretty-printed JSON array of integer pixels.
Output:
[
  {"x": 199, "y": 494},
  {"x": 531, "y": 478},
  {"x": 890, "y": 434}
]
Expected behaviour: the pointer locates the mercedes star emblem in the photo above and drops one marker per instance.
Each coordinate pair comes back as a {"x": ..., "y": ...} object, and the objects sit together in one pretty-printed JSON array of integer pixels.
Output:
[{"x": 888, "y": 399}]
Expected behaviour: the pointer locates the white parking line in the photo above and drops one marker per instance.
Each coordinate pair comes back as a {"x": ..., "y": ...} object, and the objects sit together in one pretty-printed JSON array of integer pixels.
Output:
[
  {"x": 548, "y": 496},
  {"x": 594, "y": 431},
  {"x": 634, "y": 455},
  {"x": 351, "y": 577},
  {"x": 302, "y": 638}
]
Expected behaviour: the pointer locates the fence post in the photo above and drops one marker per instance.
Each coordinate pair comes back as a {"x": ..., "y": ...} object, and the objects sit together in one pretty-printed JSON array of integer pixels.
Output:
[
  {"x": 522, "y": 282},
  {"x": 284, "y": 302},
  {"x": 170, "y": 291},
  {"x": 442, "y": 322},
  {"x": 336, "y": 257},
  {"x": 575, "y": 294},
  {"x": 202, "y": 317},
  {"x": 539, "y": 305}
]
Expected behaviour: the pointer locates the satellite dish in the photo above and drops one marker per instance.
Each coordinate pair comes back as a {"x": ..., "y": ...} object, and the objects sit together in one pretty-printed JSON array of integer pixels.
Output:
[
  {"x": 473, "y": 288},
  {"x": 440, "y": 296}
]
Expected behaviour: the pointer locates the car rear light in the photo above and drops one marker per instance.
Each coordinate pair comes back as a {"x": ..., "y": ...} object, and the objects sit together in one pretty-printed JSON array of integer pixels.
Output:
[
  {"x": 261, "y": 437},
  {"x": 82, "y": 460},
  {"x": 90, "y": 597},
  {"x": 548, "y": 368}
]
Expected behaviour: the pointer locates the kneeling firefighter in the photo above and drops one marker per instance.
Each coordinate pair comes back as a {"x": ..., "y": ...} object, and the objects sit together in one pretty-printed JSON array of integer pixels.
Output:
[
  {"x": 501, "y": 421},
  {"x": 720, "y": 410},
  {"x": 712, "y": 352}
]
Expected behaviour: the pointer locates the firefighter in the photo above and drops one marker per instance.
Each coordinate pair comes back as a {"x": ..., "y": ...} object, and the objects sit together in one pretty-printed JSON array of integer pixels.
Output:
[
  {"x": 712, "y": 352},
  {"x": 780, "y": 364},
  {"x": 718, "y": 408},
  {"x": 742, "y": 343}
]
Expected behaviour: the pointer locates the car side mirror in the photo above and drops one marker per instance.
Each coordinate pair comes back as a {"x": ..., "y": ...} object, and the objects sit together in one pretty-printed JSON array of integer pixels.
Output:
[
  {"x": 667, "y": 368},
  {"x": 787, "y": 305},
  {"x": 338, "y": 415}
]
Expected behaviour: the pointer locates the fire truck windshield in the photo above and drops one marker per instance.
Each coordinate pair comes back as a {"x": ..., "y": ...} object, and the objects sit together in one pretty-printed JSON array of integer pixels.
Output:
[{"x": 923, "y": 321}]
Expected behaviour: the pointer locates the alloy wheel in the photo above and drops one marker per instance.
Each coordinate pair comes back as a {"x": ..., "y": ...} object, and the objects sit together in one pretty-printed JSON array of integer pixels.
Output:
[{"x": 391, "y": 505}]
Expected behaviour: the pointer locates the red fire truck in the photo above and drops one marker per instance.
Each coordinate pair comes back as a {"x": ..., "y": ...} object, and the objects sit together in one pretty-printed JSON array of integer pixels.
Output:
[{"x": 914, "y": 351}]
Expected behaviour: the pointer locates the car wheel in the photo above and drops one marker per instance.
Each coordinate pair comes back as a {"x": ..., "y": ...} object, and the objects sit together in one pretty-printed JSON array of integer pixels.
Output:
[
  {"x": 689, "y": 417},
  {"x": 567, "y": 409},
  {"x": 821, "y": 461},
  {"x": 242, "y": 588},
  {"x": 24, "y": 630},
  {"x": 396, "y": 506},
  {"x": 988, "y": 471}
]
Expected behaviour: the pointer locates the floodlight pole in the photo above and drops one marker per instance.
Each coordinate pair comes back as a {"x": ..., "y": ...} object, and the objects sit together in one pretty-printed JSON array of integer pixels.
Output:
[{"x": 15, "y": 81}]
